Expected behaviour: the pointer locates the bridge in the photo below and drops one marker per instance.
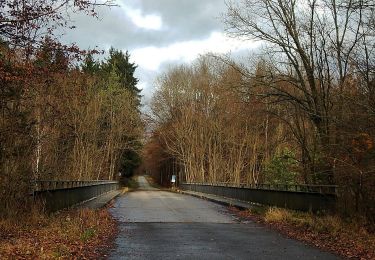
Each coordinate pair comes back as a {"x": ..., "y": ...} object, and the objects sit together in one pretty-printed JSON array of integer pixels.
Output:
[
  {"x": 160, "y": 224},
  {"x": 313, "y": 198},
  {"x": 57, "y": 195}
]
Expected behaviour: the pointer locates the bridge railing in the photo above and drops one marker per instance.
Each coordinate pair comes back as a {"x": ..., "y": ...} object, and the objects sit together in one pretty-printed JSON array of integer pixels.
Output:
[
  {"x": 56, "y": 195},
  {"x": 298, "y": 197},
  {"x": 321, "y": 189},
  {"x": 48, "y": 185}
]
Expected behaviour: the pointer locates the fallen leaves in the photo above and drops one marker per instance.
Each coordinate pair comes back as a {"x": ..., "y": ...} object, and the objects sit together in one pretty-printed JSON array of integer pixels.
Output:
[
  {"x": 83, "y": 234},
  {"x": 325, "y": 232}
]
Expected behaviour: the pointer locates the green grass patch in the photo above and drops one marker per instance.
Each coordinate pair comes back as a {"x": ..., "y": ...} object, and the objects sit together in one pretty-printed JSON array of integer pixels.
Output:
[{"x": 87, "y": 234}]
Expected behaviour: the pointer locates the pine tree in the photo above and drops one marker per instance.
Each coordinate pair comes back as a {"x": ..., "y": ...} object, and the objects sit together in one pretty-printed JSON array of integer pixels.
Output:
[
  {"x": 115, "y": 77},
  {"x": 90, "y": 65},
  {"x": 120, "y": 63}
]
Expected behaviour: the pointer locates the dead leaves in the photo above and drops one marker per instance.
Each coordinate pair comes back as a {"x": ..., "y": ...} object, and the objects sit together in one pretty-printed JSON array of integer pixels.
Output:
[
  {"x": 348, "y": 241},
  {"x": 83, "y": 234}
]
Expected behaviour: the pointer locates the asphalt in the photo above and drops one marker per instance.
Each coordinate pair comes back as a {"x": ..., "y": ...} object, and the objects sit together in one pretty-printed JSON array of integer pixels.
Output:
[{"x": 158, "y": 224}]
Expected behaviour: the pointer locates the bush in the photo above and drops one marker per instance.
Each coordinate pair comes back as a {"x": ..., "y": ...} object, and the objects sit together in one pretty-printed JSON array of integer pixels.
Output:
[{"x": 280, "y": 169}]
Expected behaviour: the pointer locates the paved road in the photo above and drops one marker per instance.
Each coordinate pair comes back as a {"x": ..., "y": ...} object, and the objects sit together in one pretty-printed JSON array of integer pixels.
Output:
[
  {"x": 157, "y": 224},
  {"x": 144, "y": 185}
]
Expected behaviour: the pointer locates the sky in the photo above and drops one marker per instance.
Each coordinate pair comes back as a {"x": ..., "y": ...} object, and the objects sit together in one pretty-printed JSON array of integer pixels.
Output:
[{"x": 157, "y": 34}]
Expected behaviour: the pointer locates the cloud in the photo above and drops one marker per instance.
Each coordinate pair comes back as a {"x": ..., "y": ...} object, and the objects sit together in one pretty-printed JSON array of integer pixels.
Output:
[
  {"x": 149, "y": 21},
  {"x": 157, "y": 33},
  {"x": 141, "y": 23},
  {"x": 152, "y": 57}
]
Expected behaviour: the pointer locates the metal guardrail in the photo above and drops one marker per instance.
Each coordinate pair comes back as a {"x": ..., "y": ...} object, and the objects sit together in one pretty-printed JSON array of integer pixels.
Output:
[
  {"x": 49, "y": 185},
  {"x": 297, "y": 197},
  {"x": 56, "y": 195},
  {"x": 320, "y": 189}
]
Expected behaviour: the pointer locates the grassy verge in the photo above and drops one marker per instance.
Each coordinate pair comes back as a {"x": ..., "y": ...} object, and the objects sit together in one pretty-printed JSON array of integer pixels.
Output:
[
  {"x": 345, "y": 238},
  {"x": 69, "y": 234}
]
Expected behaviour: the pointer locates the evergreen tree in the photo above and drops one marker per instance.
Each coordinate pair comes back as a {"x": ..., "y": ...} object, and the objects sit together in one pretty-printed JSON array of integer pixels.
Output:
[
  {"x": 90, "y": 65},
  {"x": 115, "y": 76},
  {"x": 120, "y": 63}
]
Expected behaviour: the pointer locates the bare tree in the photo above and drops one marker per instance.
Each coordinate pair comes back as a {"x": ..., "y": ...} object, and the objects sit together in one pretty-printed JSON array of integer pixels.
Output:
[
  {"x": 311, "y": 46},
  {"x": 25, "y": 23}
]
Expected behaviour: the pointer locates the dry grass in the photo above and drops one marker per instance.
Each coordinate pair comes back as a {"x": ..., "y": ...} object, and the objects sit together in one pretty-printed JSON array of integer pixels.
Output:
[
  {"x": 69, "y": 234},
  {"x": 322, "y": 224},
  {"x": 275, "y": 215},
  {"x": 347, "y": 238}
]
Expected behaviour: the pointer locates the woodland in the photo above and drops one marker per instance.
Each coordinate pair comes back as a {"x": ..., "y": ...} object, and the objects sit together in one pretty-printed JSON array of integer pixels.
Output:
[
  {"x": 65, "y": 115},
  {"x": 301, "y": 110}
]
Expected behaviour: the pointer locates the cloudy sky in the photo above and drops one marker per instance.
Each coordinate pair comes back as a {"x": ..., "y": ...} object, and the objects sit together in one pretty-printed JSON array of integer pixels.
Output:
[{"x": 157, "y": 33}]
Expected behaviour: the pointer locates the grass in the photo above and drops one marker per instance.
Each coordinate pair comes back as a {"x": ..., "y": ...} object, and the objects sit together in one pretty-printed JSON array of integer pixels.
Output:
[
  {"x": 68, "y": 234},
  {"x": 321, "y": 224},
  {"x": 330, "y": 232},
  {"x": 331, "y": 224},
  {"x": 88, "y": 234}
]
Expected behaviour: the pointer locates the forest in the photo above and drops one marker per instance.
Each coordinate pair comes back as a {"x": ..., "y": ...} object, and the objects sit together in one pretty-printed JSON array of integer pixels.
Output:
[
  {"x": 301, "y": 110},
  {"x": 65, "y": 114},
  {"x": 296, "y": 110}
]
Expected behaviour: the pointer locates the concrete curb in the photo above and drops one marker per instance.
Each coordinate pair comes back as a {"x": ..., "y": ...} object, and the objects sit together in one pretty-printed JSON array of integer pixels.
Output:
[
  {"x": 102, "y": 200},
  {"x": 243, "y": 205}
]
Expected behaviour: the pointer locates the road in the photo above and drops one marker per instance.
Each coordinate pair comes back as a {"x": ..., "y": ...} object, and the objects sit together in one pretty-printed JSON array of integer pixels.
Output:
[{"x": 157, "y": 224}]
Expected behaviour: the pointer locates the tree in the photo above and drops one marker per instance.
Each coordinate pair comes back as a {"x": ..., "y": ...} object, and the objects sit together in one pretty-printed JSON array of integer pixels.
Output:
[
  {"x": 119, "y": 63},
  {"x": 280, "y": 170},
  {"x": 59, "y": 121},
  {"x": 203, "y": 127},
  {"x": 319, "y": 58},
  {"x": 299, "y": 37},
  {"x": 90, "y": 65},
  {"x": 25, "y": 23},
  {"x": 118, "y": 84}
]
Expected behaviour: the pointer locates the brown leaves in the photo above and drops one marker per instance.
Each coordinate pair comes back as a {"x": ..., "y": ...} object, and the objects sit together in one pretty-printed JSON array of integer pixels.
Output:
[
  {"x": 83, "y": 234},
  {"x": 25, "y": 23},
  {"x": 329, "y": 233},
  {"x": 362, "y": 144}
]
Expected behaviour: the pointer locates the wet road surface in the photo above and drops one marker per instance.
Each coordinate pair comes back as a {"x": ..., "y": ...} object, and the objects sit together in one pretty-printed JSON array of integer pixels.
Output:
[{"x": 157, "y": 224}]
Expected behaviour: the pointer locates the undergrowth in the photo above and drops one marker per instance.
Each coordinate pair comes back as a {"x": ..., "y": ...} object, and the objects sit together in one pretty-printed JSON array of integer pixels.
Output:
[
  {"x": 348, "y": 238},
  {"x": 332, "y": 224},
  {"x": 82, "y": 233}
]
